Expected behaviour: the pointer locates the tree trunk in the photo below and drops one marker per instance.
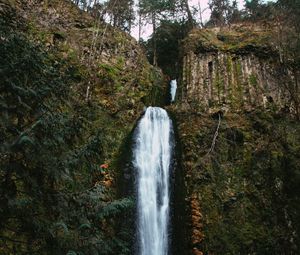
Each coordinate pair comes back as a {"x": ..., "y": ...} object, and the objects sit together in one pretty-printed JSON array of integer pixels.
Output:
[
  {"x": 140, "y": 26},
  {"x": 200, "y": 14},
  {"x": 140, "y": 22},
  {"x": 154, "y": 39},
  {"x": 189, "y": 14}
]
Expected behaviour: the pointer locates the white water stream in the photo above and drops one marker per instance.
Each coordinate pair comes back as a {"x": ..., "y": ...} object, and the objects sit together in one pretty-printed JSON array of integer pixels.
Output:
[
  {"x": 152, "y": 155},
  {"x": 173, "y": 88}
]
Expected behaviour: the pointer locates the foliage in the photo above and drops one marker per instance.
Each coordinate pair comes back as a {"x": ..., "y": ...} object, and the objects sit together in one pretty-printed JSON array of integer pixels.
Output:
[
  {"x": 168, "y": 34},
  {"x": 153, "y": 10},
  {"x": 52, "y": 196},
  {"x": 289, "y": 32},
  {"x": 248, "y": 186},
  {"x": 257, "y": 10},
  {"x": 219, "y": 12},
  {"x": 156, "y": 6},
  {"x": 122, "y": 13}
]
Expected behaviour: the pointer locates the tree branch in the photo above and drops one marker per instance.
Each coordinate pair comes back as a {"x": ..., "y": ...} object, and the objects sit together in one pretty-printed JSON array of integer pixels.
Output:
[{"x": 215, "y": 137}]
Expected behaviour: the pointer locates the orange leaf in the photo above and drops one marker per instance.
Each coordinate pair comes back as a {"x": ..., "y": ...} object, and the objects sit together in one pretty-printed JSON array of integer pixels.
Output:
[{"x": 104, "y": 166}]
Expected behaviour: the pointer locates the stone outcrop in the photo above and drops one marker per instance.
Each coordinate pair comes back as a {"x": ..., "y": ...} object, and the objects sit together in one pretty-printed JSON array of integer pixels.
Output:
[
  {"x": 113, "y": 69},
  {"x": 238, "y": 191},
  {"x": 234, "y": 108},
  {"x": 235, "y": 69},
  {"x": 110, "y": 83}
]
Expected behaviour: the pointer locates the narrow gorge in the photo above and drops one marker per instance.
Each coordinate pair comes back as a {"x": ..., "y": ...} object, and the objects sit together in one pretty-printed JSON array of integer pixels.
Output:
[
  {"x": 152, "y": 159},
  {"x": 187, "y": 143}
]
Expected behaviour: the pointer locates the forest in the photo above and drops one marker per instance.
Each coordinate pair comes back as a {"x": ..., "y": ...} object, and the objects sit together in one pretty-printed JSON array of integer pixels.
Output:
[
  {"x": 74, "y": 86},
  {"x": 172, "y": 20}
]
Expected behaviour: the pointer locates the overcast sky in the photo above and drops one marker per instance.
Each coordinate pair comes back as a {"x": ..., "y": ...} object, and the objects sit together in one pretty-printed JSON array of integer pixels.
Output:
[{"x": 147, "y": 30}]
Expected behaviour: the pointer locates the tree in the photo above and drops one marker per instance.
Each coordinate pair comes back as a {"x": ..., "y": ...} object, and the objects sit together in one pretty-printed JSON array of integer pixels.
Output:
[
  {"x": 253, "y": 9},
  {"x": 154, "y": 10},
  {"x": 168, "y": 36},
  {"x": 190, "y": 19},
  {"x": 234, "y": 15},
  {"x": 122, "y": 13},
  {"x": 288, "y": 40},
  {"x": 219, "y": 12}
]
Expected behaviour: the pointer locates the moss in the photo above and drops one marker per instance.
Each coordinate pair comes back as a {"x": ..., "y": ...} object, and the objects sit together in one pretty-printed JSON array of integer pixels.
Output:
[
  {"x": 229, "y": 64},
  {"x": 218, "y": 83},
  {"x": 238, "y": 184},
  {"x": 241, "y": 39},
  {"x": 110, "y": 70},
  {"x": 158, "y": 94},
  {"x": 12, "y": 3},
  {"x": 230, "y": 89},
  {"x": 253, "y": 80},
  {"x": 236, "y": 95},
  {"x": 239, "y": 82}
]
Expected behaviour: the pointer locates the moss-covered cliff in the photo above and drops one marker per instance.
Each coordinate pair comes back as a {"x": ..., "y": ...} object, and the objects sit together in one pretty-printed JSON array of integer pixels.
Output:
[
  {"x": 242, "y": 186},
  {"x": 112, "y": 71},
  {"x": 237, "y": 124},
  {"x": 72, "y": 88},
  {"x": 237, "y": 68}
]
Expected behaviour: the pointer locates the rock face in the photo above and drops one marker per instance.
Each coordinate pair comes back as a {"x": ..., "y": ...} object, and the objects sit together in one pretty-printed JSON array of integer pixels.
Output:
[
  {"x": 114, "y": 69},
  {"x": 242, "y": 194},
  {"x": 109, "y": 82},
  {"x": 238, "y": 144},
  {"x": 235, "y": 69}
]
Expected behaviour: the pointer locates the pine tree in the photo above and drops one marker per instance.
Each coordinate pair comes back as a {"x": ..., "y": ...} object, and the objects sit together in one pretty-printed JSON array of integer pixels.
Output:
[
  {"x": 190, "y": 19},
  {"x": 122, "y": 13},
  {"x": 151, "y": 10},
  {"x": 219, "y": 12},
  {"x": 253, "y": 9},
  {"x": 234, "y": 14},
  {"x": 169, "y": 35}
]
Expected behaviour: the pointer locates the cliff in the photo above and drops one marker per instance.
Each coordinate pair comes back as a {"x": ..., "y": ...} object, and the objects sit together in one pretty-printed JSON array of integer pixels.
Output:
[
  {"x": 237, "y": 68},
  {"x": 72, "y": 88},
  {"x": 236, "y": 113}
]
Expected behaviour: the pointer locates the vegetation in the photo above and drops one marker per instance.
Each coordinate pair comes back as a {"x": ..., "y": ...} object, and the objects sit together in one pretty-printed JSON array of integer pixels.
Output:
[
  {"x": 245, "y": 185},
  {"x": 281, "y": 14},
  {"x": 52, "y": 199},
  {"x": 71, "y": 90},
  {"x": 168, "y": 36},
  {"x": 59, "y": 148}
]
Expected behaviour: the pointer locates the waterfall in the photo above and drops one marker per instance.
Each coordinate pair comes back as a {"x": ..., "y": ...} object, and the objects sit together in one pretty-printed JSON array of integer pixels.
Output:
[
  {"x": 152, "y": 155},
  {"x": 173, "y": 88}
]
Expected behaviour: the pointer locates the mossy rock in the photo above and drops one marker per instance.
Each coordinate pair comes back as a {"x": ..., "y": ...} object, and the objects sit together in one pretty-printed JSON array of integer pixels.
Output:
[
  {"x": 238, "y": 39},
  {"x": 242, "y": 184}
]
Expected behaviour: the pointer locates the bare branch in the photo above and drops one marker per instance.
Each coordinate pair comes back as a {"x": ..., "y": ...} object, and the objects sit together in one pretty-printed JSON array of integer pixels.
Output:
[{"x": 215, "y": 137}]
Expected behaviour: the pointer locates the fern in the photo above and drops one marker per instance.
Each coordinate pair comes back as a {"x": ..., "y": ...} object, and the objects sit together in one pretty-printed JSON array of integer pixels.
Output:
[
  {"x": 115, "y": 207},
  {"x": 72, "y": 253}
]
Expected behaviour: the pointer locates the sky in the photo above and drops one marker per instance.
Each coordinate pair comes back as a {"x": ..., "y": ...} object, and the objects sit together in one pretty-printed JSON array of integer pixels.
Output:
[{"x": 147, "y": 30}]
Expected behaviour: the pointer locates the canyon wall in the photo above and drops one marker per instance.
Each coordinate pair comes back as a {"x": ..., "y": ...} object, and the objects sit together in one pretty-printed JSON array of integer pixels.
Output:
[
  {"x": 235, "y": 69},
  {"x": 236, "y": 118}
]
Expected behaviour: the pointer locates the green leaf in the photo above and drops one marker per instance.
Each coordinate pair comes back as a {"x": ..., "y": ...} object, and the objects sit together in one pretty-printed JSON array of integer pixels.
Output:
[
  {"x": 85, "y": 225},
  {"x": 25, "y": 140},
  {"x": 71, "y": 253}
]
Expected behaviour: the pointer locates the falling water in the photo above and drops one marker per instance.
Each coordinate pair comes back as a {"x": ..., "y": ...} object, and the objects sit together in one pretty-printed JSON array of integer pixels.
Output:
[
  {"x": 152, "y": 156},
  {"x": 173, "y": 88}
]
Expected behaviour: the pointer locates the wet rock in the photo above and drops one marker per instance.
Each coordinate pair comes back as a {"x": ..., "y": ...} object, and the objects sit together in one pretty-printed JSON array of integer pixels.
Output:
[{"x": 234, "y": 68}]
